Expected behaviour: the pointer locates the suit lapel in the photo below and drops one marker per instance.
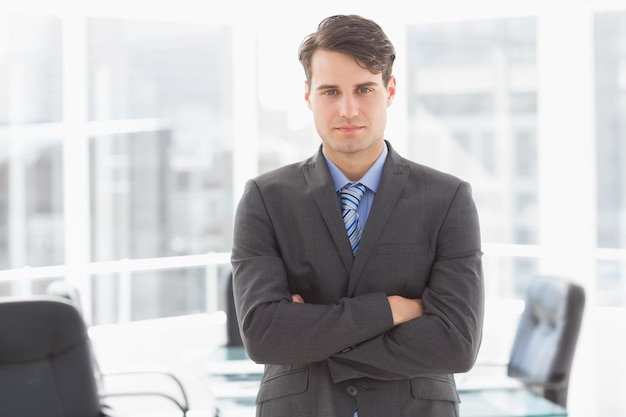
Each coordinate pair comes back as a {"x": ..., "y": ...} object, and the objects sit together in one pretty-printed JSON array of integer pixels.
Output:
[
  {"x": 322, "y": 188},
  {"x": 394, "y": 177}
]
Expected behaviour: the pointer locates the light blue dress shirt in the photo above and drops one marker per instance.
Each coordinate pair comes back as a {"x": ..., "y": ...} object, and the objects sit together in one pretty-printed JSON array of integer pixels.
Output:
[{"x": 370, "y": 180}]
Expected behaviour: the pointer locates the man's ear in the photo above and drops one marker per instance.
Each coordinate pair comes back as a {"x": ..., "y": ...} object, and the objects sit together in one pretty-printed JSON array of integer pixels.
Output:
[
  {"x": 307, "y": 94},
  {"x": 391, "y": 90}
]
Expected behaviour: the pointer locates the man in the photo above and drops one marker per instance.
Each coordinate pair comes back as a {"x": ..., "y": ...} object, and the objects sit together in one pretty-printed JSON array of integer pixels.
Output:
[{"x": 371, "y": 318}]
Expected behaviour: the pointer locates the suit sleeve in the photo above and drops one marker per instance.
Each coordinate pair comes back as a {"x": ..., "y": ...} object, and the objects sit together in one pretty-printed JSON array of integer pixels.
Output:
[
  {"x": 275, "y": 330},
  {"x": 447, "y": 337}
]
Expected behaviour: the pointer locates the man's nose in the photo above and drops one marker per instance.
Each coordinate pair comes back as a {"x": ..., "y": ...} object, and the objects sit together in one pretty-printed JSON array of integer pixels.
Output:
[{"x": 348, "y": 107}]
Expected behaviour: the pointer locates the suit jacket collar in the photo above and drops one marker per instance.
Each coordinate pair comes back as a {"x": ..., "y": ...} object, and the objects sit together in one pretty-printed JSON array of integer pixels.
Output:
[{"x": 394, "y": 176}]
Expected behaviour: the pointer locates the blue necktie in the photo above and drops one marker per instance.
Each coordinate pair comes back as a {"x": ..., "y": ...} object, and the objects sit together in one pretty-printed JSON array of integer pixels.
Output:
[{"x": 351, "y": 196}]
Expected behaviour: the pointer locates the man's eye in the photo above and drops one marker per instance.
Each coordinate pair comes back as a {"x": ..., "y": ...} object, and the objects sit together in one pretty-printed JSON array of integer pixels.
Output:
[
  {"x": 330, "y": 92},
  {"x": 364, "y": 90}
]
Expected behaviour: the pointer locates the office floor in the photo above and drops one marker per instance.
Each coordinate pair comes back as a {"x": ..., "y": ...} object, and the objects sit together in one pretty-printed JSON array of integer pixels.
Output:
[{"x": 182, "y": 345}]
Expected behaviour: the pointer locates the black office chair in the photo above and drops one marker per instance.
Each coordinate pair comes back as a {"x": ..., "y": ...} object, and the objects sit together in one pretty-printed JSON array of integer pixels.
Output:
[
  {"x": 546, "y": 338},
  {"x": 47, "y": 363}
]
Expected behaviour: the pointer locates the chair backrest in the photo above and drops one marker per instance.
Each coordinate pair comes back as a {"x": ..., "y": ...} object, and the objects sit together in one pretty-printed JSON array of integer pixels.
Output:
[
  {"x": 45, "y": 360},
  {"x": 546, "y": 338},
  {"x": 64, "y": 289}
]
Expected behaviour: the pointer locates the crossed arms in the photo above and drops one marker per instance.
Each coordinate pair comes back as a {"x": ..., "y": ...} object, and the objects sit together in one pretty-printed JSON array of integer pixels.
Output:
[
  {"x": 402, "y": 309},
  {"x": 293, "y": 308}
]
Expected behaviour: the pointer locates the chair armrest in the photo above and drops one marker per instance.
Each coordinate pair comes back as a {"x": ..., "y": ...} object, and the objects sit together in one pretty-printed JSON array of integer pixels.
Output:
[{"x": 182, "y": 404}]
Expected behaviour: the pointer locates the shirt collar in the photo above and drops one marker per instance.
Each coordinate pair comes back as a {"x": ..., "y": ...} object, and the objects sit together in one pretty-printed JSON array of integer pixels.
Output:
[{"x": 371, "y": 179}]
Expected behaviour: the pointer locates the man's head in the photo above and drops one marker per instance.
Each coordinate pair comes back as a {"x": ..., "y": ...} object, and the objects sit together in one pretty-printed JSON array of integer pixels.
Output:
[
  {"x": 360, "y": 38},
  {"x": 349, "y": 87}
]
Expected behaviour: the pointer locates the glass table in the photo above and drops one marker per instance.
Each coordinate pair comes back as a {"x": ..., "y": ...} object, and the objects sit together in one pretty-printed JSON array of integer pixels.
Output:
[
  {"x": 233, "y": 381},
  {"x": 506, "y": 402}
]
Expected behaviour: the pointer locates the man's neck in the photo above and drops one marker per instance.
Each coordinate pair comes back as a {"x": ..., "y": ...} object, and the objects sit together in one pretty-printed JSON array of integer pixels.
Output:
[{"x": 355, "y": 165}]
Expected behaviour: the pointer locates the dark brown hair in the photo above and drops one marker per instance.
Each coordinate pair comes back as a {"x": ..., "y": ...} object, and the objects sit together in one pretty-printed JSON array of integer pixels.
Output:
[{"x": 361, "y": 38}]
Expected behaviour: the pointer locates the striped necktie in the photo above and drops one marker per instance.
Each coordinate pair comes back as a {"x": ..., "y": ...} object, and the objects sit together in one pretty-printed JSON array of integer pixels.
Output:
[{"x": 351, "y": 195}]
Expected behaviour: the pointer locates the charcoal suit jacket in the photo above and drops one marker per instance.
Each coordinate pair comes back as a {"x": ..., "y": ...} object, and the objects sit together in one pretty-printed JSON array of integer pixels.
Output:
[{"x": 340, "y": 351}]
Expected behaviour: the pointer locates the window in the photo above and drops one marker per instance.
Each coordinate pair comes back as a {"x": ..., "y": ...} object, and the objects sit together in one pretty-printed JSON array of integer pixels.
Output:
[
  {"x": 472, "y": 112},
  {"x": 610, "y": 79},
  {"x": 157, "y": 141},
  {"x": 31, "y": 185}
]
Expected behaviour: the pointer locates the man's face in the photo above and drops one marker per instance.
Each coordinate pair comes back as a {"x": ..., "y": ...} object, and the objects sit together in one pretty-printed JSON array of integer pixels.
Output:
[{"x": 349, "y": 105}]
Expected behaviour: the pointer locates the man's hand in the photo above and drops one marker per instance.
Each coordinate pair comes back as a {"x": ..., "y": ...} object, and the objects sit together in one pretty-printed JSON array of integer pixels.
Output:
[{"x": 404, "y": 309}]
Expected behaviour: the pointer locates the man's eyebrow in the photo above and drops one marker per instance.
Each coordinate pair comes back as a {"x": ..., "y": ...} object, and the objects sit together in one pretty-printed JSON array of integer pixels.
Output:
[
  {"x": 331, "y": 86},
  {"x": 367, "y": 84},
  {"x": 326, "y": 87}
]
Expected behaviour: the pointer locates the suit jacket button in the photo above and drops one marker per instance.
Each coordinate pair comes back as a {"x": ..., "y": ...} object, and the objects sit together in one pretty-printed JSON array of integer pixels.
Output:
[{"x": 352, "y": 390}]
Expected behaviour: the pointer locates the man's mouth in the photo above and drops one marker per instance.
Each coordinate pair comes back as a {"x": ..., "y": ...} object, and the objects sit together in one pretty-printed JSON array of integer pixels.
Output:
[{"x": 349, "y": 128}]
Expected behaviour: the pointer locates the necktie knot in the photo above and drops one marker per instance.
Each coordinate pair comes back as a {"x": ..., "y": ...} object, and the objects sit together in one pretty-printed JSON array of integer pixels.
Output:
[{"x": 350, "y": 198}]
